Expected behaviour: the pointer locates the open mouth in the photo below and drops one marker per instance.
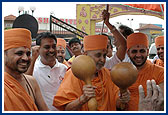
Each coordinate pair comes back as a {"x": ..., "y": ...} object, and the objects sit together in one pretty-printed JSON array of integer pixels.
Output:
[
  {"x": 51, "y": 54},
  {"x": 23, "y": 65},
  {"x": 75, "y": 49},
  {"x": 138, "y": 60},
  {"x": 162, "y": 54}
]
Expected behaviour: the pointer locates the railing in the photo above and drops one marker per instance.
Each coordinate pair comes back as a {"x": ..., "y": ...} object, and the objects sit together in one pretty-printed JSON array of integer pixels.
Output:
[{"x": 64, "y": 27}]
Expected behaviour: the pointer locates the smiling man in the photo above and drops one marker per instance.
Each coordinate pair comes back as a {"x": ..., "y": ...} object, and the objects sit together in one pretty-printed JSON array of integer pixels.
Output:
[
  {"x": 48, "y": 72},
  {"x": 137, "y": 50},
  {"x": 159, "y": 42},
  {"x": 21, "y": 91},
  {"x": 61, "y": 51},
  {"x": 73, "y": 94},
  {"x": 76, "y": 47}
]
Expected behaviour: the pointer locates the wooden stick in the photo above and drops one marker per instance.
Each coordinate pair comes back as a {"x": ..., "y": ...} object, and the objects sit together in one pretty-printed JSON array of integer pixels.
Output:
[{"x": 107, "y": 7}]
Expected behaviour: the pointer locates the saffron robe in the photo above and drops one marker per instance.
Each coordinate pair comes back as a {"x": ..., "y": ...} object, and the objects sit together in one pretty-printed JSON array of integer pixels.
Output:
[
  {"x": 15, "y": 96},
  {"x": 148, "y": 72},
  {"x": 159, "y": 62},
  {"x": 71, "y": 89}
]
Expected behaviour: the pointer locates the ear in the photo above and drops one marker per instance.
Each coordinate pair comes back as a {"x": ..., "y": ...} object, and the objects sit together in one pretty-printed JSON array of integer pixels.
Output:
[{"x": 147, "y": 51}]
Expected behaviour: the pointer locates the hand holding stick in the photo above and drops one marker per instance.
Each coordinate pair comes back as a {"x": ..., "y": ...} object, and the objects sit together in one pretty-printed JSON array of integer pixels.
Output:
[{"x": 107, "y": 7}]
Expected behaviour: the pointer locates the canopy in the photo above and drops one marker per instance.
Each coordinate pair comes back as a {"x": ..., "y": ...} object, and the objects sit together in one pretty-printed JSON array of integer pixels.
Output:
[{"x": 153, "y": 7}]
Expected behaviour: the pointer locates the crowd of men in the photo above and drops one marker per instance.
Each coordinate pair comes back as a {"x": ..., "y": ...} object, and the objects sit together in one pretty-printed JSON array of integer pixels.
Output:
[{"x": 44, "y": 80}]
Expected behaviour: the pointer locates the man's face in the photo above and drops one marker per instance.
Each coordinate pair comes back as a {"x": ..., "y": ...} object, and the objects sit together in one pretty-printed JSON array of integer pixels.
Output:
[
  {"x": 75, "y": 47},
  {"x": 60, "y": 53},
  {"x": 138, "y": 55},
  {"x": 99, "y": 56},
  {"x": 17, "y": 59},
  {"x": 160, "y": 52},
  {"x": 48, "y": 50}
]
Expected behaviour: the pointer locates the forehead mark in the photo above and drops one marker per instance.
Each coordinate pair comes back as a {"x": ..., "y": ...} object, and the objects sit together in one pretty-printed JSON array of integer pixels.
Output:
[{"x": 60, "y": 48}]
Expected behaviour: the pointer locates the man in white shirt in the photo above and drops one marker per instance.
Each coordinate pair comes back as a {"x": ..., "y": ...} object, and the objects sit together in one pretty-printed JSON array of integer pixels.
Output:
[
  {"x": 110, "y": 62},
  {"x": 47, "y": 70}
]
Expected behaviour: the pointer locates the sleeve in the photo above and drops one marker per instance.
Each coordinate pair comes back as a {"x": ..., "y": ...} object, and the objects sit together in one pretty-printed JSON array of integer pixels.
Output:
[
  {"x": 127, "y": 59},
  {"x": 69, "y": 90},
  {"x": 110, "y": 62}
]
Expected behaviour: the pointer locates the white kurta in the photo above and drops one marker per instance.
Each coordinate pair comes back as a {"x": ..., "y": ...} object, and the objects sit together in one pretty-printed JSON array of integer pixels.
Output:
[
  {"x": 49, "y": 80},
  {"x": 110, "y": 62},
  {"x": 127, "y": 59}
]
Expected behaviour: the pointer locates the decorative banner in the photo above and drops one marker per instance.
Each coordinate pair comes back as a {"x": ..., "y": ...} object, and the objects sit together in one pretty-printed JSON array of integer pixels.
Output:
[
  {"x": 153, "y": 7},
  {"x": 93, "y": 13}
]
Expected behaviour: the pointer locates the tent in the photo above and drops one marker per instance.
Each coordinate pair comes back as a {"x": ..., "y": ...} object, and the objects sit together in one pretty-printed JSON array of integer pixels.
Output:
[{"x": 153, "y": 7}]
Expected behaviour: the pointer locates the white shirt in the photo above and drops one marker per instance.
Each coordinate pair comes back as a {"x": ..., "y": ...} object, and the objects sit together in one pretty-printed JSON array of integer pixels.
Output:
[
  {"x": 49, "y": 80},
  {"x": 127, "y": 59},
  {"x": 110, "y": 62}
]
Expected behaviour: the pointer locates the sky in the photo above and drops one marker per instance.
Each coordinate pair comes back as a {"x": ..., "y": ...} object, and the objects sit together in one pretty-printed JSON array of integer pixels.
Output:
[{"x": 67, "y": 10}]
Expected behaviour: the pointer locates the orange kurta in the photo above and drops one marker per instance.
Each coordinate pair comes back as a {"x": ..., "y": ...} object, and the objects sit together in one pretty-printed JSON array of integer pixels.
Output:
[
  {"x": 15, "y": 96},
  {"x": 71, "y": 89},
  {"x": 159, "y": 62},
  {"x": 148, "y": 72}
]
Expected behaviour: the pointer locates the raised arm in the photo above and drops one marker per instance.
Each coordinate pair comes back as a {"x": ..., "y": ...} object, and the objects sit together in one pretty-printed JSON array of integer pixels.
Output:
[
  {"x": 35, "y": 54},
  {"x": 120, "y": 38}
]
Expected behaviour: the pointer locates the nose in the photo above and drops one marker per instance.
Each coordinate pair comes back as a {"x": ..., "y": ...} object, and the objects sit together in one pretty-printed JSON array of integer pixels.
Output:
[
  {"x": 74, "y": 46},
  {"x": 59, "y": 53},
  {"x": 25, "y": 57},
  {"x": 138, "y": 54},
  {"x": 161, "y": 50},
  {"x": 102, "y": 59},
  {"x": 51, "y": 50}
]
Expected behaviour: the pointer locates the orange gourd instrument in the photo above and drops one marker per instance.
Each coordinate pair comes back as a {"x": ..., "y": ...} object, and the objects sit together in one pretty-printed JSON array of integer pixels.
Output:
[
  {"x": 124, "y": 74},
  {"x": 84, "y": 67}
]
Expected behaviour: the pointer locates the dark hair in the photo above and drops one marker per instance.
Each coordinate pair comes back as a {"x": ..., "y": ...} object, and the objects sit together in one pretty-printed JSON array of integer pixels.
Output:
[
  {"x": 74, "y": 40},
  {"x": 108, "y": 38},
  {"x": 43, "y": 35},
  {"x": 126, "y": 30}
]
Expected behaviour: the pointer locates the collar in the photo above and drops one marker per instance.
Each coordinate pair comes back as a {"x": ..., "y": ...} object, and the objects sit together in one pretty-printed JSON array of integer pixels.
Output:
[{"x": 43, "y": 66}]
